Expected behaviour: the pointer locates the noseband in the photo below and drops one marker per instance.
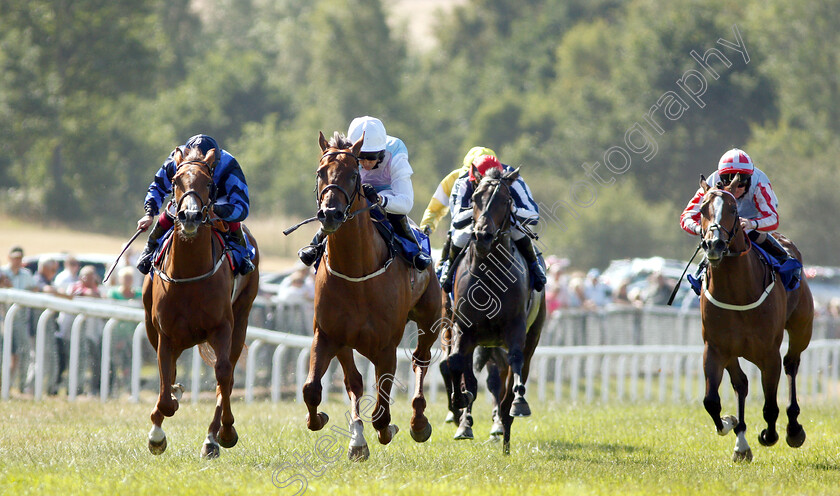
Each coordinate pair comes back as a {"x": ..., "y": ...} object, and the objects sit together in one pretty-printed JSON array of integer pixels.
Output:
[{"x": 357, "y": 180}]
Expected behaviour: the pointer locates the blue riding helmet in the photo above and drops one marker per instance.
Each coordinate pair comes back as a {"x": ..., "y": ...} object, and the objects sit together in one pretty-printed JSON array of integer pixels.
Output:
[{"x": 204, "y": 143}]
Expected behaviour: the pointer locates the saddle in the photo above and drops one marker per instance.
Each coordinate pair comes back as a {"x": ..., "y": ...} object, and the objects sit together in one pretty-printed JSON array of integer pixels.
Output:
[{"x": 232, "y": 250}]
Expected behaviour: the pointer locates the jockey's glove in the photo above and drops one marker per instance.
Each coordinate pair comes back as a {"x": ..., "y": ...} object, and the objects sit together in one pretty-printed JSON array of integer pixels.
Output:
[{"x": 370, "y": 193}]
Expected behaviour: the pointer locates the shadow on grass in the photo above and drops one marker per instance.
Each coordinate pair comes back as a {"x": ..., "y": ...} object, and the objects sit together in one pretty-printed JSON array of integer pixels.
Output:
[{"x": 596, "y": 452}]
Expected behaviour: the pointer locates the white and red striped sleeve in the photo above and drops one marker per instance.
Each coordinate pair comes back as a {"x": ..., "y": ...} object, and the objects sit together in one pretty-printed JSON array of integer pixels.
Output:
[
  {"x": 765, "y": 202},
  {"x": 690, "y": 218}
]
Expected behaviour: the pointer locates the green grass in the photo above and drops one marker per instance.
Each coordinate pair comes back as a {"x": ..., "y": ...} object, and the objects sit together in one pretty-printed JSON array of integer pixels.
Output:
[{"x": 56, "y": 447}]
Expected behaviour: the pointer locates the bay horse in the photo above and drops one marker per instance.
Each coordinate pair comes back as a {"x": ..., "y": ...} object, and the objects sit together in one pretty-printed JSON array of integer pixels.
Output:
[
  {"x": 745, "y": 310},
  {"x": 192, "y": 298},
  {"x": 364, "y": 296},
  {"x": 493, "y": 306}
]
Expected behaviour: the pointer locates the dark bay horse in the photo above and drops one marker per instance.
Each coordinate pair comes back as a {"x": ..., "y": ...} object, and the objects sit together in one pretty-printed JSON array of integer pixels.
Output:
[
  {"x": 192, "y": 298},
  {"x": 363, "y": 298},
  {"x": 745, "y": 311},
  {"x": 493, "y": 306}
]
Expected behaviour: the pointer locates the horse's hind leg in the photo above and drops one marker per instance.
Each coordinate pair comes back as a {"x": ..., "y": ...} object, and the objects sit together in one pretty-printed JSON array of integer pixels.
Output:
[
  {"x": 516, "y": 359},
  {"x": 320, "y": 355},
  {"x": 381, "y": 420},
  {"x": 220, "y": 341},
  {"x": 497, "y": 369},
  {"x": 770, "y": 373},
  {"x": 799, "y": 334},
  {"x": 166, "y": 405},
  {"x": 358, "y": 450},
  {"x": 741, "y": 386}
]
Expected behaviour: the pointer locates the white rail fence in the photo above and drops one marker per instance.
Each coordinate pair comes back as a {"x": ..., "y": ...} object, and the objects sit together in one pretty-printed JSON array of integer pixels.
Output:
[{"x": 605, "y": 373}]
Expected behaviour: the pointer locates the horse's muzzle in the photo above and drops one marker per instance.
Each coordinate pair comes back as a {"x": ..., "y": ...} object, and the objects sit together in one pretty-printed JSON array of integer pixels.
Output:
[
  {"x": 190, "y": 220},
  {"x": 715, "y": 250},
  {"x": 483, "y": 242},
  {"x": 330, "y": 219}
]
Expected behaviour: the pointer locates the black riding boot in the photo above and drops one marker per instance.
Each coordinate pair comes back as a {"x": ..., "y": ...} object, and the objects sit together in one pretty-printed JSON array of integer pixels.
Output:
[
  {"x": 400, "y": 223},
  {"x": 247, "y": 265},
  {"x": 772, "y": 246},
  {"x": 446, "y": 278},
  {"x": 144, "y": 261},
  {"x": 311, "y": 252},
  {"x": 526, "y": 248},
  {"x": 444, "y": 255}
]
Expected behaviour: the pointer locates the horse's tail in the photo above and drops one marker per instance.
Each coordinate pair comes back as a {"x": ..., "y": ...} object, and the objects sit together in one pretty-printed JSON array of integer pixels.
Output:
[{"x": 209, "y": 356}]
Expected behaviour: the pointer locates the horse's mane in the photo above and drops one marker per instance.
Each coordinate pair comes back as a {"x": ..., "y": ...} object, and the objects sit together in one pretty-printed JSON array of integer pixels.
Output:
[
  {"x": 493, "y": 174},
  {"x": 339, "y": 141}
]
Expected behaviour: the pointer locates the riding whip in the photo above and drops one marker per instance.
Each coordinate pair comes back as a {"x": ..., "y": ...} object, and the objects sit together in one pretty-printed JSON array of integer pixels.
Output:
[
  {"x": 679, "y": 281},
  {"x": 114, "y": 265}
]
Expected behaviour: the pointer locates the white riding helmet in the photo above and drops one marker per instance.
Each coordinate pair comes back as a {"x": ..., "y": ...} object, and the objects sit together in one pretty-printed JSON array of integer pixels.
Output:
[
  {"x": 373, "y": 130},
  {"x": 735, "y": 161}
]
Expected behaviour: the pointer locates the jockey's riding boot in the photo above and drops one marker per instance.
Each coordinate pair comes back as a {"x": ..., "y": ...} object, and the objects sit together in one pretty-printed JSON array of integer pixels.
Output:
[
  {"x": 444, "y": 255},
  {"x": 247, "y": 265},
  {"x": 446, "y": 279},
  {"x": 421, "y": 260},
  {"x": 772, "y": 246},
  {"x": 311, "y": 252},
  {"x": 526, "y": 248},
  {"x": 144, "y": 261}
]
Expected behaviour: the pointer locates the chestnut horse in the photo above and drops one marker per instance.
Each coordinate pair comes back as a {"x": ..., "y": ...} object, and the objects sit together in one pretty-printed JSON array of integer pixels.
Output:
[
  {"x": 363, "y": 298},
  {"x": 745, "y": 310},
  {"x": 493, "y": 307},
  {"x": 193, "y": 298}
]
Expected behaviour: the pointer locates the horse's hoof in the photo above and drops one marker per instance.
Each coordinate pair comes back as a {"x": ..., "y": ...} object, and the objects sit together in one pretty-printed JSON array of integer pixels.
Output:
[
  {"x": 392, "y": 431},
  {"x": 795, "y": 437},
  {"x": 228, "y": 441},
  {"x": 739, "y": 456},
  {"x": 358, "y": 453},
  {"x": 157, "y": 448},
  {"x": 422, "y": 435},
  {"x": 209, "y": 450},
  {"x": 767, "y": 439},
  {"x": 464, "y": 432},
  {"x": 729, "y": 423},
  {"x": 498, "y": 429},
  {"x": 450, "y": 418},
  {"x": 323, "y": 418},
  {"x": 177, "y": 391},
  {"x": 520, "y": 408}
]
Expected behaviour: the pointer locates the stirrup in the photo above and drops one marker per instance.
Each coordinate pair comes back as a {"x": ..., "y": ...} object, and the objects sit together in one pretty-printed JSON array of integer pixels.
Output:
[{"x": 246, "y": 267}]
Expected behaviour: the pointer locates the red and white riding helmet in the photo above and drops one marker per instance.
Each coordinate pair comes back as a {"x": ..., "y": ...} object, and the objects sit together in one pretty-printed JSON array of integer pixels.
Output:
[
  {"x": 735, "y": 161},
  {"x": 482, "y": 164}
]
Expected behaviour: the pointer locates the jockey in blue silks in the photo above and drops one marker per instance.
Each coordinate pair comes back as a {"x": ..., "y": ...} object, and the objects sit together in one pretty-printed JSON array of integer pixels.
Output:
[
  {"x": 231, "y": 202},
  {"x": 386, "y": 179},
  {"x": 525, "y": 212}
]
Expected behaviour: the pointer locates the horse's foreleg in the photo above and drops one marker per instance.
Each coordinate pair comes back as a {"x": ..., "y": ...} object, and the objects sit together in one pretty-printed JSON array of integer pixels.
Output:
[
  {"x": 320, "y": 356},
  {"x": 713, "y": 370},
  {"x": 358, "y": 450},
  {"x": 770, "y": 373},
  {"x": 504, "y": 410},
  {"x": 495, "y": 380},
  {"x": 741, "y": 386},
  {"x": 795, "y": 433},
  {"x": 166, "y": 405}
]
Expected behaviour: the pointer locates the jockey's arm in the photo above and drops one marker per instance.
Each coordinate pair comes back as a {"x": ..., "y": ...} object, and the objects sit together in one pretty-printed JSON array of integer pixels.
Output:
[
  {"x": 232, "y": 201},
  {"x": 439, "y": 204},
  {"x": 690, "y": 218},
  {"x": 400, "y": 198},
  {"x": 160, "y": 187},
  {"x": 526, "y": 210},
  {"x": 764, "y": 200}
]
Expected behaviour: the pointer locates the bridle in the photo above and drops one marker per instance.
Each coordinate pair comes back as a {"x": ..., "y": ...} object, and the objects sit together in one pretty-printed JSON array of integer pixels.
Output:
[
  {"x": 504, "y": 228},
  {"x": 717, "y": 227},
  {"x": 357, "y": 187},
  {"x": 205, "y": 207}
]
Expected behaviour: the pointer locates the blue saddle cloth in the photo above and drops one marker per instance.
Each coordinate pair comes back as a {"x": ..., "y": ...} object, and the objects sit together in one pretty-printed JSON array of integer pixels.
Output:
[
  {"x": 406, "y": 248},
  {"x": 785, "y": 270},
  {"x": 235, "y": 252}
]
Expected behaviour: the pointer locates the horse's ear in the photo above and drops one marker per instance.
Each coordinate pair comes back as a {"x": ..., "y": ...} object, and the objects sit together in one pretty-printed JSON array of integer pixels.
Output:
[
  {"x": 178, "y": 156},
  {"x": 323, "y": 142},
  {"x": 477, "y": 175},
  {"x": 512, "y": 176},
  {"x": 210, "y": 157},
  {"x": 357, "y": 146},
  {"x": 703, "y": 184}
]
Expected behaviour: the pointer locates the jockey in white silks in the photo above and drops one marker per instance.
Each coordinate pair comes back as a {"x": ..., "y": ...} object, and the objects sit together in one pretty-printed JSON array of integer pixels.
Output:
[{"x": 386, "y": 179}]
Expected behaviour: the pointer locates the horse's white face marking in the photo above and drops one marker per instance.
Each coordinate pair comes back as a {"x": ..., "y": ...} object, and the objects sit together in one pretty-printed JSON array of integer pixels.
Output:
[{"x": 156, "y": 435}]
